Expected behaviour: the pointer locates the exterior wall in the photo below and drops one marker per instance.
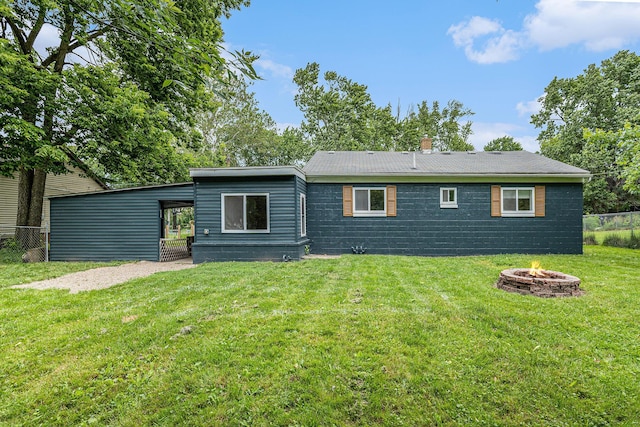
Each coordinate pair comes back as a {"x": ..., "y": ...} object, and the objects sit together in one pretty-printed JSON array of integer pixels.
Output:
[
  {"x": 114, "y": 225},
  {"x": 74, "y": 182},
  {"x": 283, "y": 240},
  {"x": 421, "y": 227}
]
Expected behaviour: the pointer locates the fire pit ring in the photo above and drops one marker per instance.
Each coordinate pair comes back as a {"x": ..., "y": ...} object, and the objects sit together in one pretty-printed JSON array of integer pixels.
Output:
[{"x": 548, "y": 284}]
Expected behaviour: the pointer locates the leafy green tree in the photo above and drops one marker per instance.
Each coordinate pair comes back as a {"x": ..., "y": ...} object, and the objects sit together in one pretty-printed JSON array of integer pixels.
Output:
[
  {"x": 445, "y": 126},
  {"x": 504, "y": 143},
  {"x": 238, "y": 133},
  {"x": 629, "y": 145},
  {"x": 118, "y": 89},
  {"x": 339, "y": 114},
  {"x": 342, "y": 115},
  {"x": 615, "y": 164},
  {"x": 604, "y": 97}
]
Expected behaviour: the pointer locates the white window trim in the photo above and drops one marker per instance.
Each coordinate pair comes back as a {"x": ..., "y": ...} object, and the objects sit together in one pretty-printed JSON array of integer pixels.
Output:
[
  {"x": 369, "y": 212},
  {"x": 244, "y": 214},
  {"x": 446, "y": 204},
  {"x": 303, "y": 218},
  {"x": 530, "y": 213}
]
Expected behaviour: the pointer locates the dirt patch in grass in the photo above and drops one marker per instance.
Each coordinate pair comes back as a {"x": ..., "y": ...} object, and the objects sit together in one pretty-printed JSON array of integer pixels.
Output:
[{"x": 105, "y": 277}]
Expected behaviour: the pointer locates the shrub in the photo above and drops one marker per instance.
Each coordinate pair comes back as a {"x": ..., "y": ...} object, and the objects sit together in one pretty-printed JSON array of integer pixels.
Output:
[
  {"x": 633, "y": 241},
  {"x": 615, "y": 240},
  {"x": 591, "y": 223},
  {"x": 589, "y": 239}
]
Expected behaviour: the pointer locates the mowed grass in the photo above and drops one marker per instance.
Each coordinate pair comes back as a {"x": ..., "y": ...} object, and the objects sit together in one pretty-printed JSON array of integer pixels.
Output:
[{"x": 360, "y": 340}]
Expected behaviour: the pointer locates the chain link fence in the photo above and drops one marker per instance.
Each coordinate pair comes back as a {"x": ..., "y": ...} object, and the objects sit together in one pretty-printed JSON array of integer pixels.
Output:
[
  {"x": 24, "y": 244},
  {"x": 621, "y": 221}
]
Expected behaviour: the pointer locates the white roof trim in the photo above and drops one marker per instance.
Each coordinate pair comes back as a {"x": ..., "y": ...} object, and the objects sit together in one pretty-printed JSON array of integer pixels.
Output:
[{"x": 243, "y": 172}]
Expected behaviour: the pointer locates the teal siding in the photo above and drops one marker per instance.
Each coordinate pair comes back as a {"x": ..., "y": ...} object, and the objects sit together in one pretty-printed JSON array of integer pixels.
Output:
[
  {"x": 114, "y": 225},
  {"x": 283, "y": 240},
  {"x": 421, "y": 227}
]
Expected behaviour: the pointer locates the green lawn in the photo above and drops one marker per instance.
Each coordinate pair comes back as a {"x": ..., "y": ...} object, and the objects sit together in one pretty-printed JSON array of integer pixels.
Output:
[{"x": 359, "y": 340}]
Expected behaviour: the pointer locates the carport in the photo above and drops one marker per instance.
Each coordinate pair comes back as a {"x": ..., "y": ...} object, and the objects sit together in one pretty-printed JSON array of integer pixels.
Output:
[{"x": 125, "y": 224}]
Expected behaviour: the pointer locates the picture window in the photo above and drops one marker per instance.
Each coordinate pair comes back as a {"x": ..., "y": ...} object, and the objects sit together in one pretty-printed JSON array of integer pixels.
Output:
[{"x": 245, "y": 213}]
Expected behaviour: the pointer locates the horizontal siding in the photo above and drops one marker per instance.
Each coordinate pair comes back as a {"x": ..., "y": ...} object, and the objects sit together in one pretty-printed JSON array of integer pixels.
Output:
[
  {"x": 8, "y": 200},
  {"x": 122, "y": 225},
  {"x": 71, "y": 183},
  {"x": 282, "y": 210},
  {"x": 206, "y": 252},
  {"x": 421, "y": 227}
]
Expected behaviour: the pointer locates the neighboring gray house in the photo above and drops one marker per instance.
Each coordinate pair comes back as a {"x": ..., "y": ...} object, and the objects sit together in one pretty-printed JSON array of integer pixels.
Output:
[{"x": 423, "y": 203}]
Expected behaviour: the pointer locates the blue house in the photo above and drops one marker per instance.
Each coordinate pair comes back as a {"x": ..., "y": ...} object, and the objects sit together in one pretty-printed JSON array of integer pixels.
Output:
[
  {"x": 253, "y": 213},
  {"x": 422, "y": 203},
  {"x": 443, "y": 203}
]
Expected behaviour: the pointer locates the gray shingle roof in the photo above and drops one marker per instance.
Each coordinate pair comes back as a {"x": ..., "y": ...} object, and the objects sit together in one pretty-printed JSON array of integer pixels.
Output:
[{"x": 438, "y": 164}]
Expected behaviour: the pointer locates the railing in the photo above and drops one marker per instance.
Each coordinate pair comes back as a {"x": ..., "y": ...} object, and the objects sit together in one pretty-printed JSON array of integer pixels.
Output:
[{"x": 24, "y": 244}]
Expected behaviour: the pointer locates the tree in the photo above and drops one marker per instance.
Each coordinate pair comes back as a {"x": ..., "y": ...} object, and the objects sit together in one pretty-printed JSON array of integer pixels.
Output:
[
  {"x": 629, "y": 145},
  {"x": 118, "y": 89},
  {"x": 339, "y": 114},
  {"x": 604, "y": 98},
  {"x": 504, "y": 143},
  {"x": 444, "y": 126},
  {"x": 238, "y": 133},
  {"x": 614, "y": 157}
]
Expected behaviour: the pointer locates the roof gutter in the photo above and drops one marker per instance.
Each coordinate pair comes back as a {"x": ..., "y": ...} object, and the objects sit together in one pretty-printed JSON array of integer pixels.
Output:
[{"x": 448, "y": 178}]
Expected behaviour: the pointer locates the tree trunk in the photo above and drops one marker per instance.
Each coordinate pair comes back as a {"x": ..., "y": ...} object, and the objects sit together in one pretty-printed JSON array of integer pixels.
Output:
[
  {"x": 25, "y": 182},
  {"x": 31, "y": 187},
  {"x": 37, "y": 198}
]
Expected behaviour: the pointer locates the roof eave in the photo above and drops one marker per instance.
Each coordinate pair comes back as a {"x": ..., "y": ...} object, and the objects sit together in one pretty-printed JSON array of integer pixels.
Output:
[
  {"x": 243, "y": 172},
  {"x": 450, "y": 178}
]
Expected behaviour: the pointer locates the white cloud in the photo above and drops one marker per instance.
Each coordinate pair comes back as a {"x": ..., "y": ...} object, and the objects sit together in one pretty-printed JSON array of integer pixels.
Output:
[
  {"x": 486, "y": 132},
  {"x": 274, "y": 69},
  {"x": 527, "y": 108},
  {"x": 500, "y": 45},
  {"x": 597, "y": 25}
]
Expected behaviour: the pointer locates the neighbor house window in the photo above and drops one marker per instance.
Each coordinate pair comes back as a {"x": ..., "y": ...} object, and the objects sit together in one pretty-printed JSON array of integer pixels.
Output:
[
  {"x": 518, "y": 201},
  {"x": 303, "y": 215},
  {"x": 448, "y": 198},
  {"x": 369, "y": 201},
  {"x": 245, "y": 213}
]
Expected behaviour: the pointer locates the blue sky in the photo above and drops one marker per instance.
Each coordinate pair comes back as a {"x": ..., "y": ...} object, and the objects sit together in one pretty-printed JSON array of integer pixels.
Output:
[{"x": 496, "y": 57}]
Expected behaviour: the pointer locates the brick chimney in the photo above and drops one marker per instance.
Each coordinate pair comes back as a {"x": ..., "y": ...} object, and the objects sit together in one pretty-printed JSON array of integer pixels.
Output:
[{"x": 426, "y": 145}]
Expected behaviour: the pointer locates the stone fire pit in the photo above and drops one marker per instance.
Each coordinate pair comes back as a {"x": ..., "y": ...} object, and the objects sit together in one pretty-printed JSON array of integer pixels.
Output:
[{"x": 545, "y": 283}]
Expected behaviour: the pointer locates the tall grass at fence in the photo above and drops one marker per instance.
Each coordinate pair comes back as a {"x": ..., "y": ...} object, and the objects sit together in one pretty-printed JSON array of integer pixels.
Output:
[{"x": 618, "y": 230}]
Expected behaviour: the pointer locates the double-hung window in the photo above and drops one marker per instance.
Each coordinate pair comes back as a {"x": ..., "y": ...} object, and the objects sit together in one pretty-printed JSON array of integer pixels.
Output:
[
  {"x": 518, "y": 201},
  {"x": 448, "y": 198},
  {"x": 245, "y": 213},
  {"x": 370, "y": 201}
]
